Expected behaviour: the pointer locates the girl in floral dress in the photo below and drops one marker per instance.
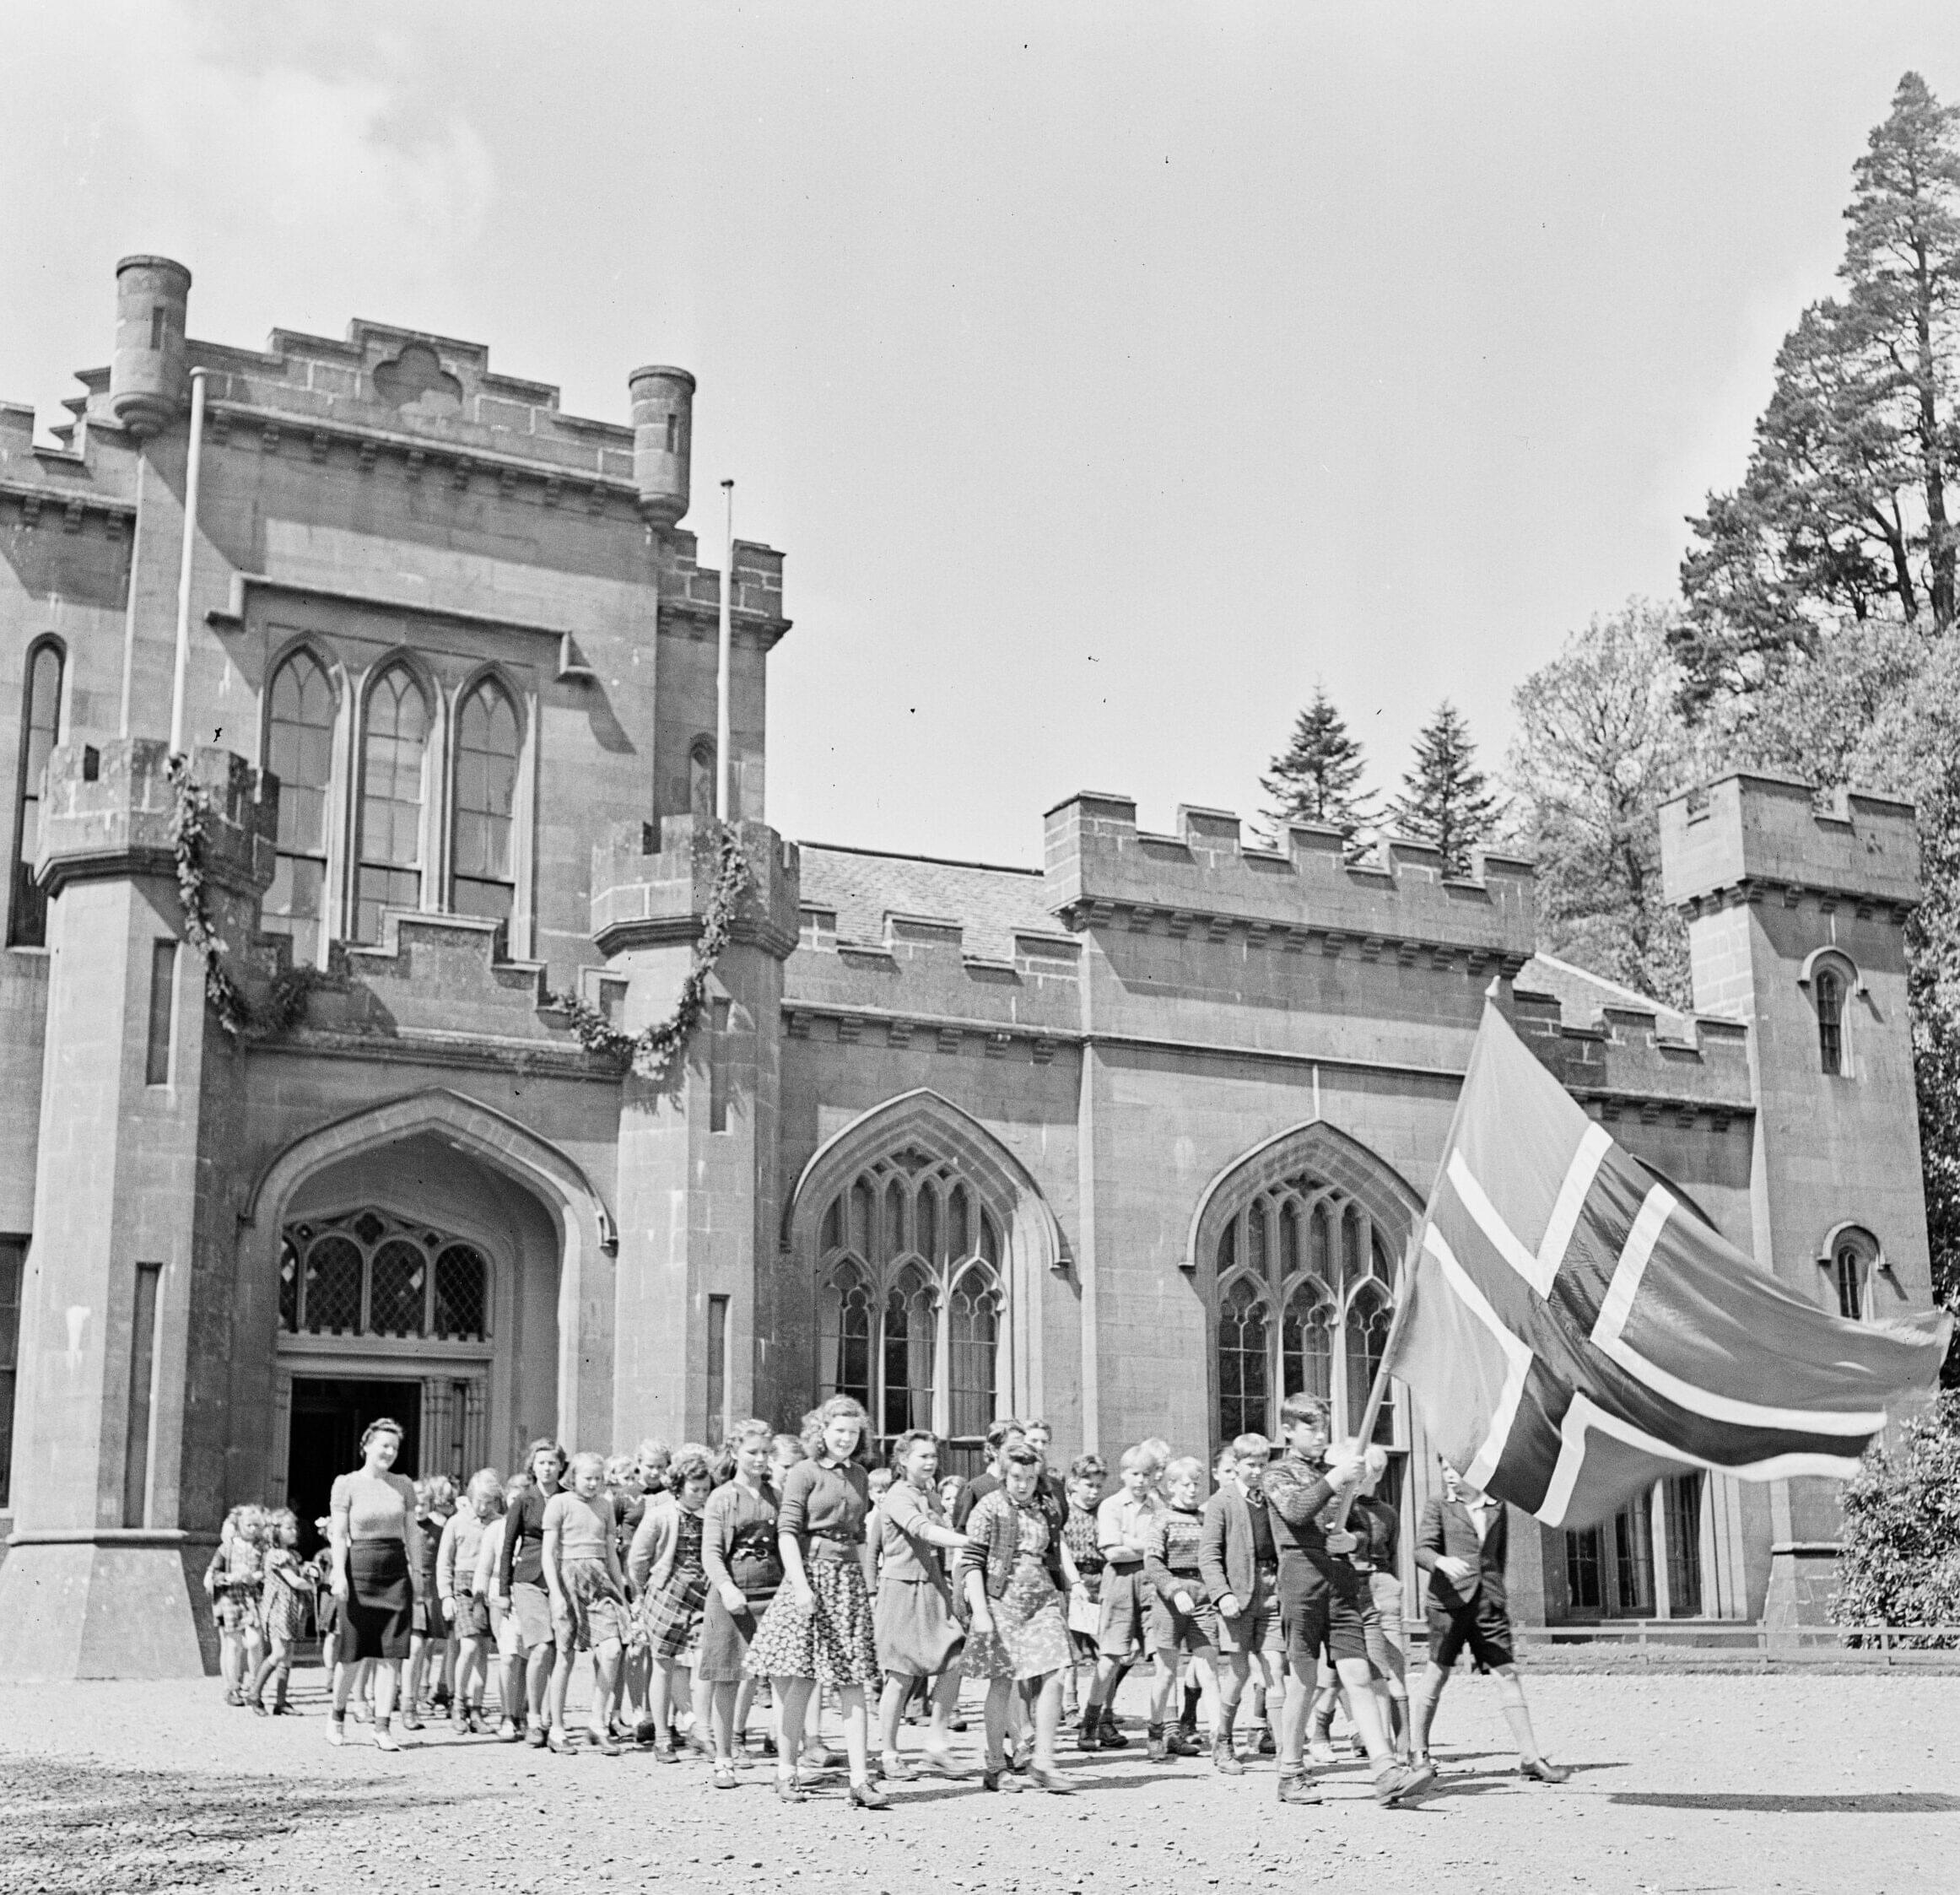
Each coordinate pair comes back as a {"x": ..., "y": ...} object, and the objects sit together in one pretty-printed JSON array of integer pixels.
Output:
[
  {"x": 1018, "y": 1634},
  {"x": 819, "y": 1629}
]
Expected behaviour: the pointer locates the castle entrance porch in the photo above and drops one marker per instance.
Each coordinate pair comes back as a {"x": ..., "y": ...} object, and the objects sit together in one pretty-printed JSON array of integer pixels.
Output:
[{"x": 418, "y": 1281}]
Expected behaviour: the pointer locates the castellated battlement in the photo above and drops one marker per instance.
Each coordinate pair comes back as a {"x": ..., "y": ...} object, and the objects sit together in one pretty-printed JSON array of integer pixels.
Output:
[
  {"x": 1640, "y": 1060},
  {"x": 1101, "y": 865},
  {"x": 1744, "y": 832},
  {"x": 110, "y": 810},
  {"x": 652, "y": 885}
]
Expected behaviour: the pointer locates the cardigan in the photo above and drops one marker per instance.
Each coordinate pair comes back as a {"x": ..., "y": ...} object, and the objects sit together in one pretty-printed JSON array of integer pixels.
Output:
[{"x": 1228, "y": 1551}]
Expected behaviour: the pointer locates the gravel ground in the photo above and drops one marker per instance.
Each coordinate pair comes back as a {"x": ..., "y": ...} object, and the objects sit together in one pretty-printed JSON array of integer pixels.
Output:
[{"x": 1682, "y": 1784}]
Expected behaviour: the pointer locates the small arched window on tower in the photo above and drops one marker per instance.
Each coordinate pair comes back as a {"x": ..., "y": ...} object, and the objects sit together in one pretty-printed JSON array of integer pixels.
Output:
[
  {"x": 1827, "y": 992},
  {"x": 393, "y": 767},
  {"x": 482, "y": 882},
  {"x": 1852, "y": 1260},
  {"x": 40, "y": 731},
  {"x": 299, "y": 752}
]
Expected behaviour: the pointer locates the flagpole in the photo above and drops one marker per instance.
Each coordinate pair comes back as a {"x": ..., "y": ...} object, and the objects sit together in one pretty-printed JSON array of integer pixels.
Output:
[
  {"x": 1378, "y": 1389},
  {"x": 725, "y": 645}
]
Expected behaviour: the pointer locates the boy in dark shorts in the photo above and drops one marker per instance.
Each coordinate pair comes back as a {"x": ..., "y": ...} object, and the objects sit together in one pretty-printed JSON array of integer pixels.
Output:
[
  {"x": 1239, "y": 1559},
  {"x": 1172, "y": 1567},
  {"x": 1462, "y": 1547},
  {"x": 1320, "y": 1601},
  {"x": 1088, "y": 1476}
]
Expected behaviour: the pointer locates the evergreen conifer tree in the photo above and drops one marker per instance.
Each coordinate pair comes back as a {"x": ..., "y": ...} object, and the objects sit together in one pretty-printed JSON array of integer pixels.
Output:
[
  {"x": 1445, "y": 800},
  {"x": 1317, "y": 777}
]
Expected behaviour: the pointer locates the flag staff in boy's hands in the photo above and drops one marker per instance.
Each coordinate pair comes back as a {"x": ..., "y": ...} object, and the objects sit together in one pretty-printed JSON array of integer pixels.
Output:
[{"x": 1572, "y": 1333}]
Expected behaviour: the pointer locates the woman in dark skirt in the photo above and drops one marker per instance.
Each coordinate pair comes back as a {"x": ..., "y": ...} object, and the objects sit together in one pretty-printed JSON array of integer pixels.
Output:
[
  {"x": 745, "y": 1571},
  {"x": 375, "y": 1545},
  {"x": 819, "y": 1629}
]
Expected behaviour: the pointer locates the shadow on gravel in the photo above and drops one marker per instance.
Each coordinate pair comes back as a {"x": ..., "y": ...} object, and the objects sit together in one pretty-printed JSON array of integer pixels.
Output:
[
  {"x": 1884, "y": 1802},
  {"x": 70, "y": 1824}
]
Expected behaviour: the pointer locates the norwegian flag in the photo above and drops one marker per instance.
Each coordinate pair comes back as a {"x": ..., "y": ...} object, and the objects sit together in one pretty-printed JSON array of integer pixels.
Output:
[{"x": 1574, "y": 1332}]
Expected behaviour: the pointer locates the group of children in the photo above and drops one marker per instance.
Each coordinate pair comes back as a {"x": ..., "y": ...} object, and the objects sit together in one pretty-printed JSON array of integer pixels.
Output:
[
  {"x": 267, "y": 1601},
  {"x": 702, "y": 1584}
]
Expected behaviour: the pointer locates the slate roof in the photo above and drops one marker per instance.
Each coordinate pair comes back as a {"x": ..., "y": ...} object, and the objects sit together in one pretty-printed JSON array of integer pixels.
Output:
[
  {"x": 991, "y": 903},
  {"x": 1580, "y": 994},
  {"x": 861, "y": 887}
]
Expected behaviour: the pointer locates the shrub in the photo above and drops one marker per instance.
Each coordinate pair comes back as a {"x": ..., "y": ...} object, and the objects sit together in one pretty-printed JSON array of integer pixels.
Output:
[{"x": 1898, "y": 1562}]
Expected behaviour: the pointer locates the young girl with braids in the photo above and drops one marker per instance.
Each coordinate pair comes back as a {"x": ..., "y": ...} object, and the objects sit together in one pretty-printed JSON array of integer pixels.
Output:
[
  {"x": 232, "y": 1579},
  {"x": 744, "y": 1571},
  {"x": 286, "y": 1595},
  {"x": 1017, "y": 1636},
  {"x": 819, "y": 1629},
  {"x": 665, "y": 1563}
]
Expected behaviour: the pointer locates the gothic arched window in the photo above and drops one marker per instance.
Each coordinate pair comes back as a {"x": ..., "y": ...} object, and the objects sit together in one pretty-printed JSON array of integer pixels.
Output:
[
  {"x": 394, "y": 769},
  {"x": 912, "y": 1307},
  {"x": 40, "y": 731},
  {"x": 1307, "y": 1250},
  {"x": 299, "y": 752},
  {"x": 483, "y": 880}
]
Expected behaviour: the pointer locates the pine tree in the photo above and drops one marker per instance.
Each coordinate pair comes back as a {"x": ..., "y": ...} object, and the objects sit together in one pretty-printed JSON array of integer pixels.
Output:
[
  {"x": 1317, "y": 777},
  {"x": 1845, "y": 510},
  {"x": 1444, "y": 799}
]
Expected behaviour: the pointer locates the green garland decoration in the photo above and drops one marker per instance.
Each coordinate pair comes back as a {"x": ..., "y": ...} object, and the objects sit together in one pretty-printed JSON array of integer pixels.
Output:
[
  {"x": 651, "y": 1052},
  {"x": 240, "y": 1018}
]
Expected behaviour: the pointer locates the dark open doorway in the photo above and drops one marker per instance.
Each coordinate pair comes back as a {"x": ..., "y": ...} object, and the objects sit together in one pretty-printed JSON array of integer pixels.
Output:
[{"x": 328, "y": 1418}]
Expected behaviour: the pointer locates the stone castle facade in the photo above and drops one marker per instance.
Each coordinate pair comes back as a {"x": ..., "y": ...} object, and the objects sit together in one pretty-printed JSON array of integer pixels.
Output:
[{"x": 1133, "y": 1140}]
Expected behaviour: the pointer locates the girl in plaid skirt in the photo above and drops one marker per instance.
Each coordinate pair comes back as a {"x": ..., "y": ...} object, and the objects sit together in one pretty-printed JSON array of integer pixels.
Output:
[{"x": 666, "y": 1563}]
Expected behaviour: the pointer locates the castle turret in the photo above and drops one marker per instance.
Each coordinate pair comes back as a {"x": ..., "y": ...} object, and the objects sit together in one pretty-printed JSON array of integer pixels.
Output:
[
  {"x": 120, "y": 1454},
  {"x": 1796, "y": 922},
  {"x": 663, "y": 428},
  {"x": 699, "y": 1193},
  {"x": 149, "y": 382}
]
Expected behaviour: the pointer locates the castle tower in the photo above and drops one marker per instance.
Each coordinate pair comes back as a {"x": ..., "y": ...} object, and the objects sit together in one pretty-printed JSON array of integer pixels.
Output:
[
  {"x": 697, "y": 1186},
  {"x": 1796, "y": 925},
  {"x": 125, "y": 1362}
]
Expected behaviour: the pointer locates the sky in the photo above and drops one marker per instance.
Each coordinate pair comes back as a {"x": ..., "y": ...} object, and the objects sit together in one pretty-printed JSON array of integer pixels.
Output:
[{"x": 1111, "y": 374}]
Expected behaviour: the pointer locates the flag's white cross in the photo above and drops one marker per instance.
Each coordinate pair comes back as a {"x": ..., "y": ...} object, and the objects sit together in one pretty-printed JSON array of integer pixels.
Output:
[{"x": 1540, "y": 1269}]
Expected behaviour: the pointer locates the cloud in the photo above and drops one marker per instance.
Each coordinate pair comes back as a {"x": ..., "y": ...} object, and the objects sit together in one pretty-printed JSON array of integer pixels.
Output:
[{"x": 253, "y": 143}]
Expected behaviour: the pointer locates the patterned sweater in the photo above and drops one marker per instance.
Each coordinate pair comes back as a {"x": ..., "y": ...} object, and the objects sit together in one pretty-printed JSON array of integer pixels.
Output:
[{"x": 1173, "y": 1554}]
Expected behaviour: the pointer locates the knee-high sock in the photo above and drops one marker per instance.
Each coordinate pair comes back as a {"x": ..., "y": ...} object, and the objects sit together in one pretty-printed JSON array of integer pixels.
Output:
[
  {"x": 1511, "y": 1696},
  {"x": 1422, "y": 1703}
]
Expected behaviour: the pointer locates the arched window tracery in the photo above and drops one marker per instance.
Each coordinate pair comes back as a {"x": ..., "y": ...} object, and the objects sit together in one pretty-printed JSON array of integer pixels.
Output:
[
  {"x": 300, "y": 720},
  {"x": 368, "y": 1272},
  {"x": 1305, "y": 1298},
  {"x": 912, "y": 1305}
]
